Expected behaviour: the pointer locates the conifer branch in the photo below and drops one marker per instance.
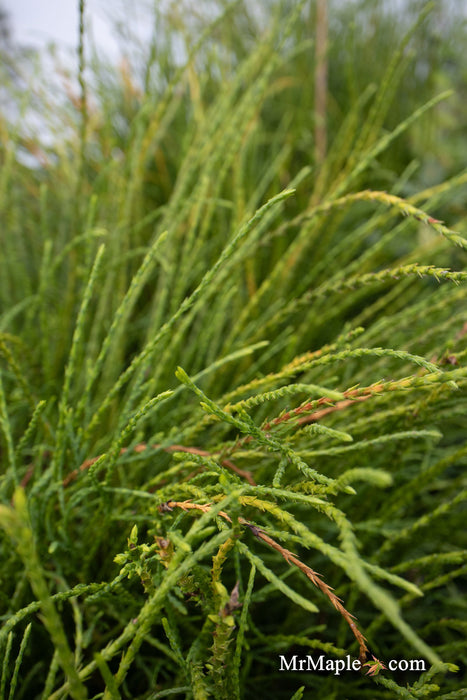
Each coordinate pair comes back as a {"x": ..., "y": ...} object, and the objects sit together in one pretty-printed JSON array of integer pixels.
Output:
[{"x": 289, "y": 557}]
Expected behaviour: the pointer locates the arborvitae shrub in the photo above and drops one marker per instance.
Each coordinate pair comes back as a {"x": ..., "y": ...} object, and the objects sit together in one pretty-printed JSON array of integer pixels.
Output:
[{"x": 232, "y": 396}]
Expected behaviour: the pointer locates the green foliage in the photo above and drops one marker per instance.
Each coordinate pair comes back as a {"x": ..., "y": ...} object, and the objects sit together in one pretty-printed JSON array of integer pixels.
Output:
[{"x": 233, "y": 382}]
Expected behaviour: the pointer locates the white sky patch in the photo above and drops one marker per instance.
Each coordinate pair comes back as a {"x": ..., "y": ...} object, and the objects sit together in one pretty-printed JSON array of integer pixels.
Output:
[{"x": 39, "y": 23}]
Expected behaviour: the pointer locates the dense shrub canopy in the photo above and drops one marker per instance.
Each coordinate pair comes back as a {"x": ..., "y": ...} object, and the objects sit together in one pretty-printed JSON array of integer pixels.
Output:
[{"x": 232, "y": 358}]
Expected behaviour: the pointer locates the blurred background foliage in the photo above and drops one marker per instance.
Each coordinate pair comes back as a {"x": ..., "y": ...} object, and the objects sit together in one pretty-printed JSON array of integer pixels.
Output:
[{"x": 362, "y": 38}]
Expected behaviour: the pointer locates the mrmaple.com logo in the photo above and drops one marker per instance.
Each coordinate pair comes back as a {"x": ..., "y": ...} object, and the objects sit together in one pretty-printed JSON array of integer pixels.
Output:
[{"x": 323, "y": 664}]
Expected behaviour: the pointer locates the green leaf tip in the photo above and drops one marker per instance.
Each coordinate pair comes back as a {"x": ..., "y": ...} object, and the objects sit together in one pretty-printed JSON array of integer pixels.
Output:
[
  {"x": 288, "y": 193},
  {"x": 182, "y": 376},
  {"x": 133, "y": 539}
]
